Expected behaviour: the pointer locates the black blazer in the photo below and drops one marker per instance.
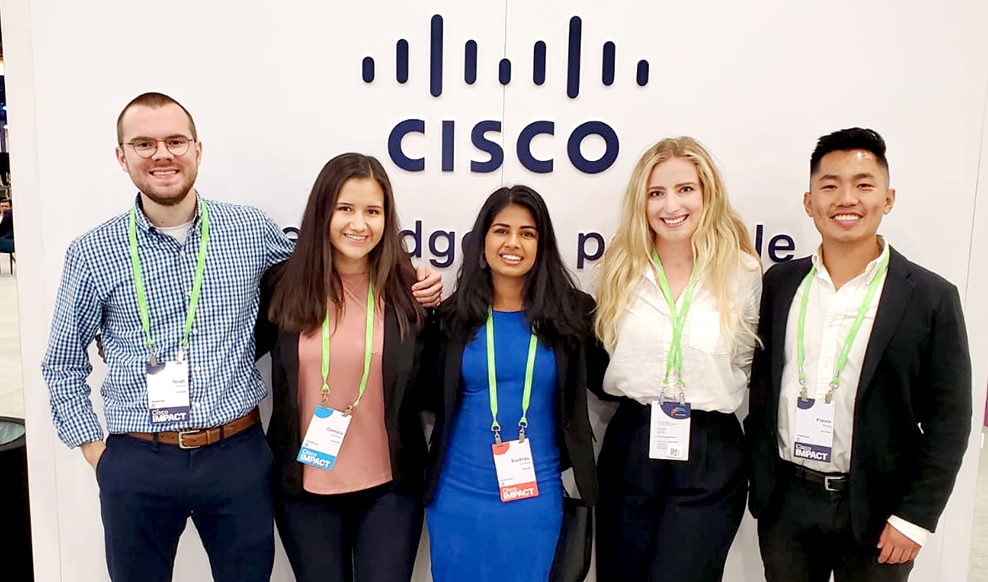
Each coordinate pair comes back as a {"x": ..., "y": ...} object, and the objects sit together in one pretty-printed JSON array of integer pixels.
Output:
[
  {"x": 912, "y": 415},
  {"x": 580, "y": 364},
  {"x": 7, "y": 224},
  {"x": 406, "y": 438}
]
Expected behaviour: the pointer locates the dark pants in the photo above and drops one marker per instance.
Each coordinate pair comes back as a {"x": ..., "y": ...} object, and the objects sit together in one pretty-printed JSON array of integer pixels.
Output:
[
  {"x": 805, "y": 535},
  {"x": 6, "y": 245},
  {"x": 368, "y": 536},
  {"x": 148, "y": 491},
  {"x": 668, "y": 520}
]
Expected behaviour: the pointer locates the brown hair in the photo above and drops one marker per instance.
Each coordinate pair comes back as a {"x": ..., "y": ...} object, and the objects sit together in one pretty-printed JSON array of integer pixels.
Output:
[
  {"x": 308, "y": 278},
  {"x": 154, "y": 101}
]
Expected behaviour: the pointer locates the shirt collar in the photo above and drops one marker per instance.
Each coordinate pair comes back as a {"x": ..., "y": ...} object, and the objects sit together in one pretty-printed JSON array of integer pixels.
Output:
[
  {"x": 868, "y": 272},
  {"x": 144, "y": 224}
]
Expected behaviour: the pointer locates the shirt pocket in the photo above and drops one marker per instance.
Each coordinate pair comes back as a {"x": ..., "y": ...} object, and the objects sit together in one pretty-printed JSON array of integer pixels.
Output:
[{"x": 705, "y": 334}]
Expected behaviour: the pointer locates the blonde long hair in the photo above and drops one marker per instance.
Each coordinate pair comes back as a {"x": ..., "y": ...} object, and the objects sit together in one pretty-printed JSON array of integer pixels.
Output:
[{"x": 718, "y": 242}]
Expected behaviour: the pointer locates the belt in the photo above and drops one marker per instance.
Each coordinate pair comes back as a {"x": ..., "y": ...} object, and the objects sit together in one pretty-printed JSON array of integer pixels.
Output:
[
  {"x": 193, "y": 439},
  {"x": 833, "y": 482}
]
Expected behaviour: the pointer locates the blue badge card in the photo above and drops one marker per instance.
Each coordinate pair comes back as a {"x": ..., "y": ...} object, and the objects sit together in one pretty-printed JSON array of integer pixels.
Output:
[{"x": 323, "y": 440}]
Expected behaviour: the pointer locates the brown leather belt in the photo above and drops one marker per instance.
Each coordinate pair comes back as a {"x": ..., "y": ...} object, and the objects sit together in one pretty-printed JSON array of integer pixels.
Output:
[{"x": 193, "y": 439}]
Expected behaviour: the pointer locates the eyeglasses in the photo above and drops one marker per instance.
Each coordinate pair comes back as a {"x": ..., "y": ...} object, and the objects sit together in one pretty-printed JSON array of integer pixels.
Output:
[{"x": 146, "y": 147}]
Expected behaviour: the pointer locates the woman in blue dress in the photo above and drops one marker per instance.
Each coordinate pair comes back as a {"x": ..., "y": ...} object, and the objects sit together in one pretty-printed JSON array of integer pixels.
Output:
[{"x": 508, "y": 360}]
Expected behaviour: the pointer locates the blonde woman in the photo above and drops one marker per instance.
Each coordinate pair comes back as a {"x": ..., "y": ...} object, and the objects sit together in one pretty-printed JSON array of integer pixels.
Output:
[{"x": 678, "y": 298}]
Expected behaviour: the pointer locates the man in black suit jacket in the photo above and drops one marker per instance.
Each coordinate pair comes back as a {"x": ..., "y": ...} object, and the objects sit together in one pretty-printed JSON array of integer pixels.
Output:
[
  {"x": 6, "y": 226},
  {"x": 854, "y": 451}
]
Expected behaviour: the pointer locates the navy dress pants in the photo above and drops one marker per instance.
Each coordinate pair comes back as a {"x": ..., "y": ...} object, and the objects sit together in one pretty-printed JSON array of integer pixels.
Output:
[
  {"x": 148, "y": 491},
  {"x": 663, "y": 520}
]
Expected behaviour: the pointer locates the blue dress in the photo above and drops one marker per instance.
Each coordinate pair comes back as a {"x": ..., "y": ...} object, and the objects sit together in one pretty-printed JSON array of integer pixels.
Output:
[{"x": 474, "y": 536}]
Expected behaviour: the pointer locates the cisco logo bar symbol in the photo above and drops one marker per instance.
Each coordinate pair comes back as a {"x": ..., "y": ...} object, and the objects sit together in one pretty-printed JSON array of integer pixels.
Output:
[{"x": 573, "y": 57}]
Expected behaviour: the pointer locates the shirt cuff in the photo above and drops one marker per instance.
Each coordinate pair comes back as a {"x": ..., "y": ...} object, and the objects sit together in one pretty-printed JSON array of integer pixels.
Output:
[
  {"x": 82, "y": 430},
  {"x": 910, "y": 530}
]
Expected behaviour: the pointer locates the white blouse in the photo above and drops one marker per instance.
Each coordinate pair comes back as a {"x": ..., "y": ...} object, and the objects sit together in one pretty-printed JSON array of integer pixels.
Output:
[{"x": 715, "y": 369}]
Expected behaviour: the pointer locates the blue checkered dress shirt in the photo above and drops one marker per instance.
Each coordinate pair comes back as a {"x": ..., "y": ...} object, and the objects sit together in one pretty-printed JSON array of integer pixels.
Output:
[{"x": 97, "y": 296}]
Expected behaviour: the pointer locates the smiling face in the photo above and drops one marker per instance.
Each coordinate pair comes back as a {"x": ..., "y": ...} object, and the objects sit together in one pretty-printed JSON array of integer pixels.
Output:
[
  {"x": 675, "y": 201},
  {"x": 848, "y": 197},
  {"x": 164, "y": 178},
  {"x": 356, "y": 224},
  {"x": 511, "y": 243}
]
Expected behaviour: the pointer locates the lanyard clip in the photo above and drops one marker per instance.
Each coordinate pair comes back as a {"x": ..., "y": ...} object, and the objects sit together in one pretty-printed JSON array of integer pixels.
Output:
[
  {"x": 180, "y": 356},
  {"x": 153, "y": 360},
  {"x": 830, "y": 393},
  {"x": 522, "y": 425}
]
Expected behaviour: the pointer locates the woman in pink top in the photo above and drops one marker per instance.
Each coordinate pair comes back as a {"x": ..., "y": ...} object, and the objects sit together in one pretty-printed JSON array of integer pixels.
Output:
[{"x": 342, "y": 325}]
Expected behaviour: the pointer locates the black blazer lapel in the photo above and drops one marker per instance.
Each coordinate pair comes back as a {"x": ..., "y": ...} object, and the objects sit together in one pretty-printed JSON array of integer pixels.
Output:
[
  {"x": 562, "y": 373},
  {"x": 288, "y": 348},
  {"x": 390, "y": 366},
  {"x": 782, "y": 302},
  {"x": 891, "y": 308},
  {"x": 451, "y": 377}
]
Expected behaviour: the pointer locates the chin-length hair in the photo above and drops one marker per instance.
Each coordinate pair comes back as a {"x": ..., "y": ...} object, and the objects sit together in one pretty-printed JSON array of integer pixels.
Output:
[
  {"x": 549, "y": 296},
  {"x": 719, "y": 242},
  {"x": 309, "y": 279}
]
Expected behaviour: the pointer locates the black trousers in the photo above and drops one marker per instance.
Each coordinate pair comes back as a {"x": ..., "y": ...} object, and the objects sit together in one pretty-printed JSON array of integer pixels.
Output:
[
  {"x": 805, "y": 535},
  {"x": 668, "y": 520},
  {"x": 149, "y": 491},
  {"x": 365, "y": 536}
]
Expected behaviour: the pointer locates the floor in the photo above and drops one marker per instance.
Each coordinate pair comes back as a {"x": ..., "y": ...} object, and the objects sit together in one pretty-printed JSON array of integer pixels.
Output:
[{"x": 12, "y": 404}]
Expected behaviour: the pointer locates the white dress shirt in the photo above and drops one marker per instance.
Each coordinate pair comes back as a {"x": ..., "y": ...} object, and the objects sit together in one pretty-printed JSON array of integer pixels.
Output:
[
  {"x": 715, "y": 370},
  {"x": 830, "y": 313}
]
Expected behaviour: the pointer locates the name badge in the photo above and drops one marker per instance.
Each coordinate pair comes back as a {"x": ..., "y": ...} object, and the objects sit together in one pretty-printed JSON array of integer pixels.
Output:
[
  {"x": 323, "y": 440},
  {"x": 669, "y": 431},
  {"x": 515, "y": 470},
  {"x": 814, "y": 430},
  {"x": 168, "y": 392}
]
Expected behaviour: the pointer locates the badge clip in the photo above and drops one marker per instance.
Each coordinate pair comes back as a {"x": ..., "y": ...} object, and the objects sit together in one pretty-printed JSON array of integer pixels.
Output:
[
  {"x": 153, "y": 360},
  {"x": 521, "y": 431},
  {"x": 802, "y": 385}
]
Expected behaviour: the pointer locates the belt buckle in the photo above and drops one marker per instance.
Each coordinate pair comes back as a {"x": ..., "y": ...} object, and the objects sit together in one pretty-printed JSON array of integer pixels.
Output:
[
  {"x": 835, "y": 478},
  {"x": 181, "y": 439}
]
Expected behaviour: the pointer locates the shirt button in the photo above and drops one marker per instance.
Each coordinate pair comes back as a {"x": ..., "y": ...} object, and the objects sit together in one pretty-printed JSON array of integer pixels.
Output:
[{"x": 197, "y": 368}]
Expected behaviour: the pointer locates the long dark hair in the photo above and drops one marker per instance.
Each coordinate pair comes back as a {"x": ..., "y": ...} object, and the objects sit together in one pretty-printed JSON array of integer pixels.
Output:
[
  {"x": 298, "y": 302},
  {"x": 549, "y": 287}
]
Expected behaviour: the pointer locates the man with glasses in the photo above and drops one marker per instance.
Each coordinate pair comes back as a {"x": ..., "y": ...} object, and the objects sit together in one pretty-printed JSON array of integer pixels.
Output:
[{"x": 171, "y": 286}]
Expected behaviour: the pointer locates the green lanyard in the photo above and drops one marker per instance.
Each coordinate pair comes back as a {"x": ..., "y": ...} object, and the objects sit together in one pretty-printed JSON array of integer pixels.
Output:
[
  {"x": 368, "y": 346},
  {"x": 674, "y": 360},
  {"x": 142, "y": 302},
  {"x": 876, "y": 280},
  {"x": 526, "y": 395}
]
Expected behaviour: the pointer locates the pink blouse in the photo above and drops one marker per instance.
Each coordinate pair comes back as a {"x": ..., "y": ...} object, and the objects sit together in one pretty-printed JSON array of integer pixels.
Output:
[{"x": 364, "y": 459}]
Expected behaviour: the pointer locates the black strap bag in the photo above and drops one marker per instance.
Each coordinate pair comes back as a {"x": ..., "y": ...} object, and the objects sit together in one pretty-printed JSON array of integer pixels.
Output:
[{"x": 572, "y": 560}]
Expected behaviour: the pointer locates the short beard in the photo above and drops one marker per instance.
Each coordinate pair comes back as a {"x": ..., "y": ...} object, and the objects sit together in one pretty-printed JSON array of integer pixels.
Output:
[{"x": 169, "y": 200}]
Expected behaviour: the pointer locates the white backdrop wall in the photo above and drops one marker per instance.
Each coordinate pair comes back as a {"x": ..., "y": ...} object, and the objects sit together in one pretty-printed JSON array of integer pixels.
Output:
[{"x": 276, "y": 90}]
